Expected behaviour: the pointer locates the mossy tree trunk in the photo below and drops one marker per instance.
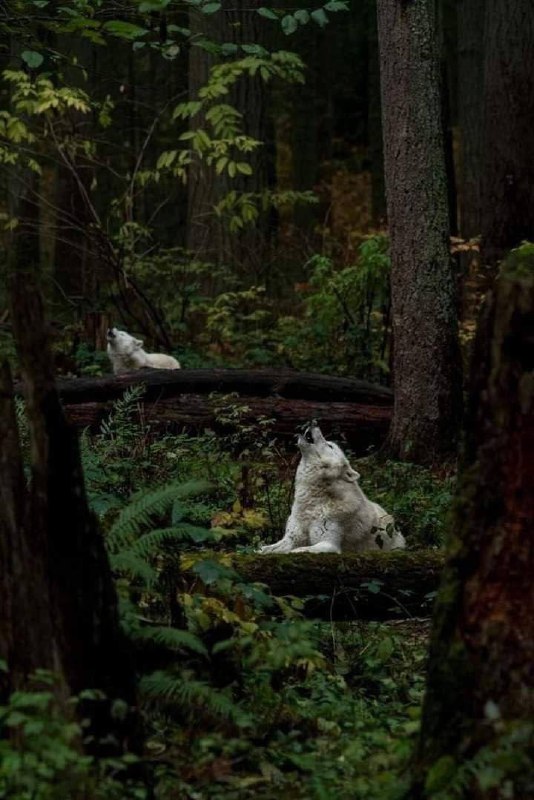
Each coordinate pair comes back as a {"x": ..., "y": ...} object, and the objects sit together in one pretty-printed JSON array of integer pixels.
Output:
[
  {"x": 507, "y": 213},
  {"x": 58, "y": 604},
  {"x": 480, "y": 689},
  {"x": 427, "y": 373}
]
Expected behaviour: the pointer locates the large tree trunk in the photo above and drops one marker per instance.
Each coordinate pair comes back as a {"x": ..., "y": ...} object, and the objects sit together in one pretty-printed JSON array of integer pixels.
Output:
[
  {"x": 480, "y": 680},
  {"x": 508, "y": 143},
  {"x": 427, "y": 375}
]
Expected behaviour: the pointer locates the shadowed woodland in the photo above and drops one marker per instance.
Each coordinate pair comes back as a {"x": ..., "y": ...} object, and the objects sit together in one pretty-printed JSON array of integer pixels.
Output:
[{"x": 324, "y": 213}]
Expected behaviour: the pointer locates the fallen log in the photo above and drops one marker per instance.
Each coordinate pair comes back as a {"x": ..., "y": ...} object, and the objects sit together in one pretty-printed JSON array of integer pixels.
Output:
[
  {"x": 369, "y": 586},
  {"x": 163, "y": 384},
  {"x": 360, "y": 426},
  {"x": 181, "y": 400}
]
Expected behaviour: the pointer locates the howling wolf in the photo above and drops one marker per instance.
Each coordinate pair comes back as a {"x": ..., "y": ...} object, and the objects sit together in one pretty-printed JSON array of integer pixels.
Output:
[{"x": 331, "y": 513}]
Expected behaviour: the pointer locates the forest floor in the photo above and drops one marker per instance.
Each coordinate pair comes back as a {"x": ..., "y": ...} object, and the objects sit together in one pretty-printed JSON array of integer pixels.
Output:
[{"x": 344, "y": 731}]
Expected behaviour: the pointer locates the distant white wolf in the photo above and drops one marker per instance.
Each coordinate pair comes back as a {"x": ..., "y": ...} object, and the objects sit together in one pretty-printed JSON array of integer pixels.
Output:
[
  {"x": 330, "y": 513},
  {"x": 126, "y": 353}
]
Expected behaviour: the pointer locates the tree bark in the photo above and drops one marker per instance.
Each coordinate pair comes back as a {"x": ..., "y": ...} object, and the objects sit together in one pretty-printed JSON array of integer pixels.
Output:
[
  {"x": 480, "y": 682},
  {"x": 470, "y": 86},
  {"x": 58, "y": 602},
  {"x": 427, "y": 374},
  {"x": 371, "y": 586},
  {"x": 374, "y": 120},
  {"x": 507, "y": 215},
  {"x": 359, "y": 426}
]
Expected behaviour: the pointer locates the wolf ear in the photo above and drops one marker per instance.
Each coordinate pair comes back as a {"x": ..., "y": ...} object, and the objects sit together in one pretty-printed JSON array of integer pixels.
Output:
[
  {"x": 138, "y": 342},
  {"x": 351, "y": 475}
]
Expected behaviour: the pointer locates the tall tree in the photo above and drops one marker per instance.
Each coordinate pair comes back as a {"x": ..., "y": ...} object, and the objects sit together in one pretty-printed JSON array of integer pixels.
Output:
[
  {"x": 507, "y": 214},
  {"x": 480, "y": 689},
  {"x": 208, "y": 238},
  {"x": 427, "y": 373},
  {"x": 57, "y": 599},
  {"x": 470, "y": 26}
]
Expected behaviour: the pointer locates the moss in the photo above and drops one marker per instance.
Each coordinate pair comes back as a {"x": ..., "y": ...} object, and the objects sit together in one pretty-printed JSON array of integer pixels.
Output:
[{"x": 519, "y": 263}]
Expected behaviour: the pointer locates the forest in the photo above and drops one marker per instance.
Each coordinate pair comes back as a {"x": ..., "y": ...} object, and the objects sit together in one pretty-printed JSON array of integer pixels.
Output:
[{"x": 266, "y": 399}]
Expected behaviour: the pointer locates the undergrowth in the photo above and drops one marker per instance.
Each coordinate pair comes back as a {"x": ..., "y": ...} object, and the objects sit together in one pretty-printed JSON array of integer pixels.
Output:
[{"x": 242, "y": 697}]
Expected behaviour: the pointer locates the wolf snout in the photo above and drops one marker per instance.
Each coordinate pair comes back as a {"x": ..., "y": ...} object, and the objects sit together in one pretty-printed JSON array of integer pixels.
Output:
[{"x": 111, "y": 333}]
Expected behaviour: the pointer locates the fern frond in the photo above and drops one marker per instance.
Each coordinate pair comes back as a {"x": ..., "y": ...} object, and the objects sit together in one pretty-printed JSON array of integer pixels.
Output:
[
  {"x": 143, "y": 507},
  {"x": 150, "y": 543},
  {"x": 133, "y": 564},
  {"x": 192, "y": 696},
  {"x": 173, "y": 639}
]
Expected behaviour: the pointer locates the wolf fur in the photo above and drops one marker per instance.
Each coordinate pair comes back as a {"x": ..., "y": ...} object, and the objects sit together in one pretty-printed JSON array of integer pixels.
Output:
[
  {"x": 330, "y": 512},
  {"x": 126, "y": 354}
]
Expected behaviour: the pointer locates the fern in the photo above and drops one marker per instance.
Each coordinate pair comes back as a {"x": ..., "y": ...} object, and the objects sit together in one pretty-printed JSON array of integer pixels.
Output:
[
  {"x": 173, "y": 639},
  {"x": 146, "y": 505},
  {"x": 150, "y": 543},
  {"x": 192, "y": 696},
  {"x": 133, "y": 565}
]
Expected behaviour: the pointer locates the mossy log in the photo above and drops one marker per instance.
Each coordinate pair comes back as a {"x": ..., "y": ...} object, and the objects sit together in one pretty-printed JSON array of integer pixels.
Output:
[
  {"x": 369, "y": 586},
  {"x": 182, "y": 400}
]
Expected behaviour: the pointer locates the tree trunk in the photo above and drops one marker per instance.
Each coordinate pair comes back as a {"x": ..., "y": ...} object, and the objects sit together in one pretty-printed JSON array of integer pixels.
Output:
[
  {"x": 427, "y": 374},
  {"x": 480, "y": 681},
  {"x": 507, "y": 216},
  {"x": 374, "y": 120},
  {"x": 470, "y": 81},
  {"x": 59, "y": 608},
  {"x": 370, "y": 586}
]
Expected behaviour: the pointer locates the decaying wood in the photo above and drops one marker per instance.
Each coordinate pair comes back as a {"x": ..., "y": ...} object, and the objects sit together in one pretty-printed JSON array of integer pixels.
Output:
[
  {"x": 184, "y": 400},
  {"x": 368, "y": 586}
]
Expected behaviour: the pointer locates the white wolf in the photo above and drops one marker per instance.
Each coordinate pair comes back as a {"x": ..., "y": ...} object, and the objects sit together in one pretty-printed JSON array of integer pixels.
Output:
[
  {"x": 126, "y": 353},
  {"x": 330, "y": 513}
]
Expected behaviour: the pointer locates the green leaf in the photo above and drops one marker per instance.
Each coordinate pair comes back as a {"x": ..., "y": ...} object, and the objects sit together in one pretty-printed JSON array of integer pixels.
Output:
[
  {"x": 302, "y": 16},
  {"x": 210, "y": 571},
  {"x": 254, "y": 49},
  {"x": 210, "y": 8},
  {"x": 32, "y": 58},
  {"x": 153, "y": 5},
  {"x": 336, "y": 5},
  {"x": 440, "y": 774},
  {"x": 268, "y": 13},
  {"x": 126, "y": 30},
  {"x": 372, "y": 586},
  {"x": 319, "y": 17},
  {"x": 244, "y": 168},
  {"x": 289, "y": 24}
]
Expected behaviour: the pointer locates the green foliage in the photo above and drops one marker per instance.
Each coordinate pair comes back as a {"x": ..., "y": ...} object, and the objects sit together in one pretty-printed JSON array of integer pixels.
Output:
[
  {"x": 504, "y": 766},
  {"x": 418, "y": 499},
  {"x": 519, "y": 263},
  {"x": 344, "y": 324},
  {"x": 41, "y": 753}
]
